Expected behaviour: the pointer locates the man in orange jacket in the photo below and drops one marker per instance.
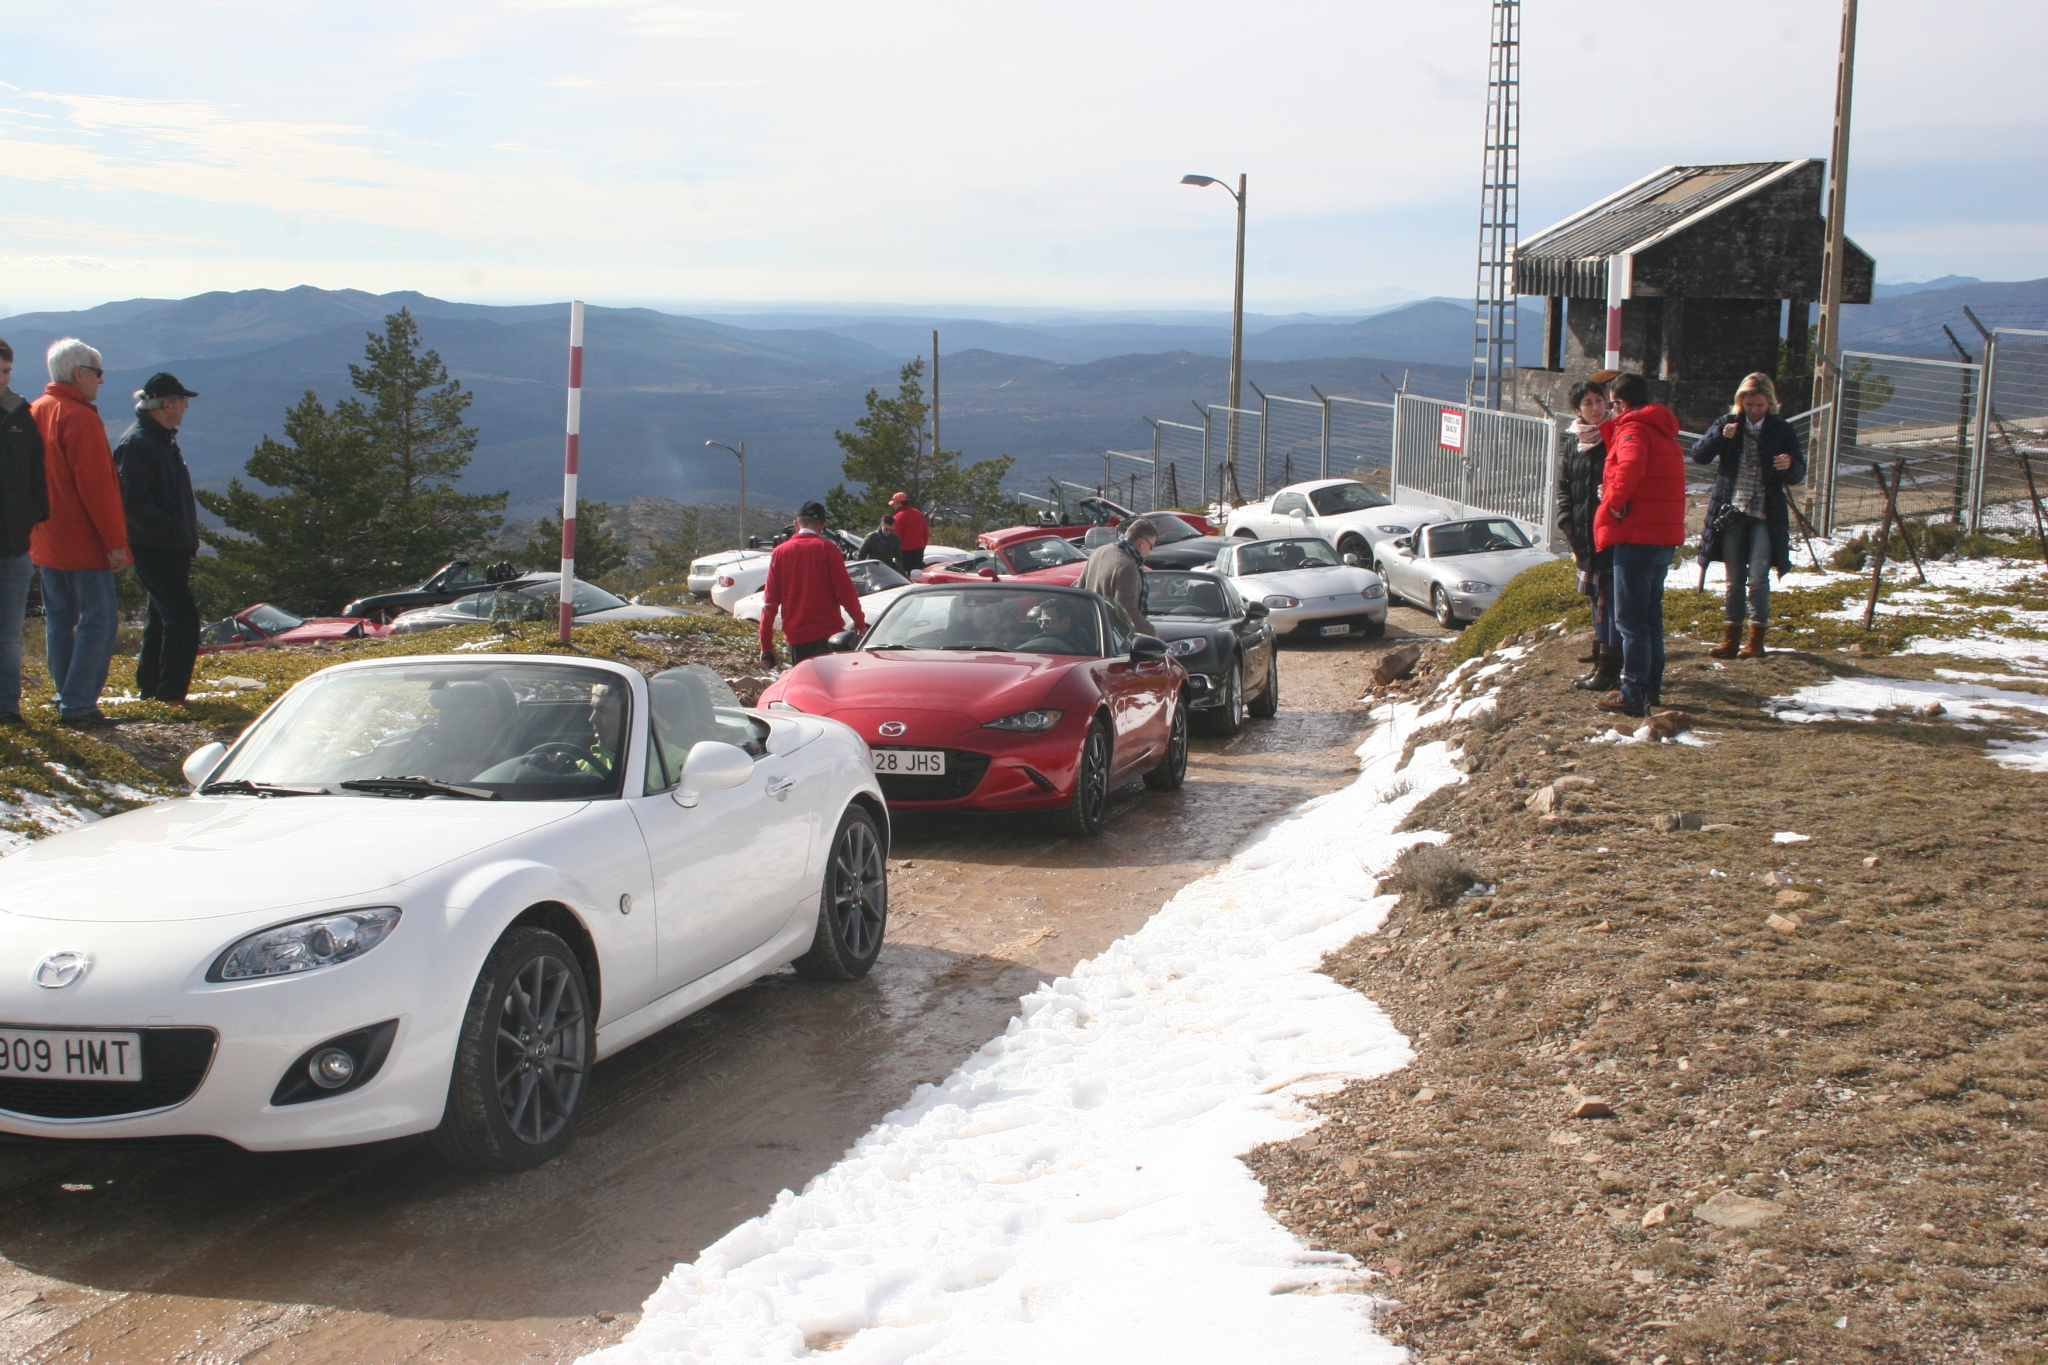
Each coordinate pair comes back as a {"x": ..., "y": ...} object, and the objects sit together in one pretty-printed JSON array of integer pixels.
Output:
[{"x": 84, "y": 543}]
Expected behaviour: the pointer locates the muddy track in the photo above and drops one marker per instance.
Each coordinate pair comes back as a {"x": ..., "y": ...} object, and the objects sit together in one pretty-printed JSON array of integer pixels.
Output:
[{"x": 383, "y": 1254}]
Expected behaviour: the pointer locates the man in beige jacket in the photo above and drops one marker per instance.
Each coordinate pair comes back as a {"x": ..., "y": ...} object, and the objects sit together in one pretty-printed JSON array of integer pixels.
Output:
[{"x": 1117, "y": 570}]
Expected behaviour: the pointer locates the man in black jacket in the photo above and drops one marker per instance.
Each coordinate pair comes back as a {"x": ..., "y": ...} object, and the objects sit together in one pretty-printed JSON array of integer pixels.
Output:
[
  {"x": 163, "y": 535},
  {"x": 24, "y": 501}
]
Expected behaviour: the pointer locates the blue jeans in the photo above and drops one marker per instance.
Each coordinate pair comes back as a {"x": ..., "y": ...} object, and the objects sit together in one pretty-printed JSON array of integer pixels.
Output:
[
  {"x": 80, "y": 614},
  {"x": 1639, "y": 615},
  {"x": 14, "y": 577},
  {"x": 1746, "y": 545}
]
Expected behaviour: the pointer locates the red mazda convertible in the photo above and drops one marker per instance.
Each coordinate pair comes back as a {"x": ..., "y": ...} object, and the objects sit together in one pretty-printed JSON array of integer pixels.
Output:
[
  {"x": 1031, "y": 553},
  {"x": 1004, "y": 697}
]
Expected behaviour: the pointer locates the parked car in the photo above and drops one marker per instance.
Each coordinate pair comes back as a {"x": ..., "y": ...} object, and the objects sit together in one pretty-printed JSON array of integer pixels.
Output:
[
  {"x": 525, "y": 863},
  {"x": 1030, "y": 553},
  {"x": 1224, "y": 642},
  {"x": 1310, "y": 589},
  {"x": 459, "y": 578},
  {"x": 879, "y": 584},
  {"x": 261, "y": 625},
  {"x": 1355, "y": 517},
  {"x": 743, "y": 577},
  {"x": 1100, "y": 511},
  {"x": 531, "y": 597},
  {"x": 1004, "y": 697},
  {"x": 704, "y": 572},
  {"x": 1180, "y": 545},
  {"x": 1458, "y": 568}
]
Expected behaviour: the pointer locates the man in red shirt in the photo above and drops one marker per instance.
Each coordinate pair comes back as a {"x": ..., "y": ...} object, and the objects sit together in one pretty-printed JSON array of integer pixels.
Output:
[
  {"x": 808, "y": 586},
  {"x": 84, "y": 542},
  {"x": 912, "y": 529},
  {"x": 1641, "y": 519}
]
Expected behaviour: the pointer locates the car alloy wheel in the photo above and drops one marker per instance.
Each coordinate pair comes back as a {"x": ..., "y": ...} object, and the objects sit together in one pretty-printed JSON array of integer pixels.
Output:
[
  {"x": 1088, "y": 814},
  {"x": 1227, "y": 720},
  {"x": 853, "y": 906},
  {"x": 1173, "y": 768},
  {"x": 1268, "y": 703},
  {"x": 1441, "y": 600},
  {"x": 1388, "y": 583},
  {"x": 523, "y": 1059}
]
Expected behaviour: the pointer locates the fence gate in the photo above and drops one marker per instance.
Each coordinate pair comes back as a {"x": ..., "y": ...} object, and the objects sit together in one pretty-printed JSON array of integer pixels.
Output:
[
  {"x": 1472, "y": 461},
  {"x": 1925, "y": 412},
  {"x": 2014, "y": 436}
]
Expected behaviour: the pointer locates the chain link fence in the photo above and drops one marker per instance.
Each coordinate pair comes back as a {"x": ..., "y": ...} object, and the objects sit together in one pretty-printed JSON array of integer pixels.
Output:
[
  {"x": 1470, "y": 460},
  {"x": 1361, "y": 440},
  {"x": 1292, "y": 433}
]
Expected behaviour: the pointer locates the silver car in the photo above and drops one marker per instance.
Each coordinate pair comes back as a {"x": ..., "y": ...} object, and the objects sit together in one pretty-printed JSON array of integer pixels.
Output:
[
  {"x": 1310, "y": 590},
  {"x": 1458, "y": 568}
]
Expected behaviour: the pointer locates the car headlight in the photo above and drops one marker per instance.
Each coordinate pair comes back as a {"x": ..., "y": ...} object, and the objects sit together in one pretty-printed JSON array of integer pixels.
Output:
[
  {"x": 1474, "y": 585},
  {"x": 1377, "y": 590},
  {"x": 310, "y": 943},
  {"x": 1279, "y": 599},
  {"x": 1396, "y": 530},
  {"x": 1036, "y": 719},
  {"x": 1187, "y": 649}
]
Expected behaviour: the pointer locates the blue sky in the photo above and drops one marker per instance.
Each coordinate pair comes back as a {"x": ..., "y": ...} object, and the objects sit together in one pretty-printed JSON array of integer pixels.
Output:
[{"x": 947, "y": 153}]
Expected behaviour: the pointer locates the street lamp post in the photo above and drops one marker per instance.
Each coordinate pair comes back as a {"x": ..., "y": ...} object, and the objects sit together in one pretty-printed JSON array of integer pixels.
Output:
[
  {"x": 1236, "y": 306},
  {"x": 742, "y": 453}
]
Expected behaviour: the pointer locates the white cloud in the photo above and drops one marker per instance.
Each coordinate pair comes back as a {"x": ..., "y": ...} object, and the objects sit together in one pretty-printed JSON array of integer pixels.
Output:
[
  {"x": 577, "y": 82},
  {"x": 42, "y": 264}
]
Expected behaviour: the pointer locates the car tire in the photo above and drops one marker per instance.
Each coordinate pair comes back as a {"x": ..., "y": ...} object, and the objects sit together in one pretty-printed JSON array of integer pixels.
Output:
[
  {"x": 1243, "y": 533},
  {"x": 1172, "y": 770},
  {"x": 1375, "y": 630},
  {"x": 853, "y": 904},
  {"x": 531, "y": 988},
  {"x": 1440, "y": 607},
  {"x": 1087, "y": 815},
  {"x": 1381, "y": 570},
  {"x": 1267, "y": 704},
  {"x": 1225, "y": 721},
  {"x": 1352, "y": 545}
]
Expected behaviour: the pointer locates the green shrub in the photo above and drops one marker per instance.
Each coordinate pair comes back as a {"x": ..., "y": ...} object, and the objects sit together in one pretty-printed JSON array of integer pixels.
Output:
[{"x": 1534, "y": 597}]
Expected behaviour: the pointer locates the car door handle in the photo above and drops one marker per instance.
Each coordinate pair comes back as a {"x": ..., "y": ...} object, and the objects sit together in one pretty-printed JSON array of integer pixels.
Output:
[{"x": 778, "y": 785}]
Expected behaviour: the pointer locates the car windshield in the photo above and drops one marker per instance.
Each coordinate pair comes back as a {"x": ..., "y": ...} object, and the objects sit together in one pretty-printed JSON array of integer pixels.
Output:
[
  {"x": 270, "y": 620},
  {"x": 524, "y": 732},
  {"x": 1171, "y": 527},
  {"x": 1016, "y": 620},
  {"x": 1339, "y": 498},
  {"x": 1475, "y": 537},
  {"x": 534, "y": 602},
  {"x": 1184, "y": 596},
  {"x": 1045, "y": 552},
  {"x": 872, "y": 575},
  {"x": 1278, "y": 556}
]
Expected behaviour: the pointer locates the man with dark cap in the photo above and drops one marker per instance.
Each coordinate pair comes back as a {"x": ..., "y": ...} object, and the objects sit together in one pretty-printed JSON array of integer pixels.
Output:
[
  {"x": 24, "y": 501},
  {"x": 163, "y": 535},
  {"x": 808, "y": 586}
]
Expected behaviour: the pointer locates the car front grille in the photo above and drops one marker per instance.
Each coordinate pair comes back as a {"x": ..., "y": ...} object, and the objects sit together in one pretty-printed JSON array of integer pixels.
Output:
[
  {"x": 964, "y": 772},
  {"x": 174, "y": 1061}
]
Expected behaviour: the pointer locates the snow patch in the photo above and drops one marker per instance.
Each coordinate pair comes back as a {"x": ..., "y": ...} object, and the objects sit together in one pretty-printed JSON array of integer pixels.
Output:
[{"x": 1864, "y": 698}]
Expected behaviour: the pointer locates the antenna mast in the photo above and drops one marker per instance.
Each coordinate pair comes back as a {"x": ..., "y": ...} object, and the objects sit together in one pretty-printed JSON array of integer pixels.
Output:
[{"x": 1493, "y": 306}]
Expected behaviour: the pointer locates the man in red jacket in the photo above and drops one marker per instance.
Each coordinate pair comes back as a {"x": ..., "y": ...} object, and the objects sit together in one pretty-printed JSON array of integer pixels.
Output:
[
  {"x": 1641, "y": 518},
  {"x": 807, "y": 586},
  {"x": 84, "y": 542},
  {"x": 914, "y": 531}
]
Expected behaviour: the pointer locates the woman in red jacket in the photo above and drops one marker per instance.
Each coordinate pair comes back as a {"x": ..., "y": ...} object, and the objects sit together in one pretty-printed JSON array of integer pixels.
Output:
[{"x": 1641, "y": 519}]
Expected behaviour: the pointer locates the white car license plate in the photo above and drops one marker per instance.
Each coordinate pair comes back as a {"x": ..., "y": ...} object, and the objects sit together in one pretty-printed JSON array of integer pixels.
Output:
[
  {"x": 911, "y": 762},
  {"x": 42, "y": 1055},
  {"x": 1337, "y": 630}
]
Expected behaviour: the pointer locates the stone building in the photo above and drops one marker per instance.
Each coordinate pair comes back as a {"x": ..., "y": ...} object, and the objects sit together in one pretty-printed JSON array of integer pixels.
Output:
[{"x": 1717, "y": 265}]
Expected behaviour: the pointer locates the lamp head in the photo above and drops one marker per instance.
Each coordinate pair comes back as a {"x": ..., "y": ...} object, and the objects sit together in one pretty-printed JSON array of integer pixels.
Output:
[{"x": 1198, "y": 180}]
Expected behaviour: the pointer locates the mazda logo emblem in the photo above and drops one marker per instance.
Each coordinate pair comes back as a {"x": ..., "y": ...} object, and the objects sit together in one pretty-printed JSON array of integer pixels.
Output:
[
  {"x": 891, "y": 729},
  {"x": 59, "y": 970}
]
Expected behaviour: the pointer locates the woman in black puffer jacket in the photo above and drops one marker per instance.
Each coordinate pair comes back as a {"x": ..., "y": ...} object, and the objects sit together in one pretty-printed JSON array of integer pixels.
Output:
[
  {"x": 1749, "y": 517},
  {"x": 1582, "y": 459}
]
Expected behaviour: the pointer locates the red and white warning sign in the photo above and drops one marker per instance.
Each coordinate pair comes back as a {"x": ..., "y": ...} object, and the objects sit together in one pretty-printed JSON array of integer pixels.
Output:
[{"x": 1450, "y": 428}]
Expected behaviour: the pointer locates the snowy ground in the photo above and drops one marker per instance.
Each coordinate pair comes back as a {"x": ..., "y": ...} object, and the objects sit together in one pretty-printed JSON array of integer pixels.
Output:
[
  {"x": 1955, "y": 696},
  {"x": 1072, "y": 1192}
]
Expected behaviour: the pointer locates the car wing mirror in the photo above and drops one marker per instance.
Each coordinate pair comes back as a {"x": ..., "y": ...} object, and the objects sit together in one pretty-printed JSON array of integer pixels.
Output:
[
  {"x": 1147, "y": 648},
  {"x": 1257, "y": 611},
  {"x": 1354, "y": 561},
  {"x": 844, "y": 641},
  {"x": 987, "y": 571},
  {"x": 200, "y": 763},
  {"x": 712, "y": 765},
  {"x": 1406, "y": 545}
]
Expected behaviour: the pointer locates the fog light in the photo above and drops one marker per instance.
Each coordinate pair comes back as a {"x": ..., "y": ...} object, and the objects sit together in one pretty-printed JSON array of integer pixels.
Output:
[{"x": 331, "y": 1068}]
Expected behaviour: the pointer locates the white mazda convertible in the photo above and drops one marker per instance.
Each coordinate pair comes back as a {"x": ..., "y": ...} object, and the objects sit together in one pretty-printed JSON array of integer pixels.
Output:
[{"x": 426, "y": 895}]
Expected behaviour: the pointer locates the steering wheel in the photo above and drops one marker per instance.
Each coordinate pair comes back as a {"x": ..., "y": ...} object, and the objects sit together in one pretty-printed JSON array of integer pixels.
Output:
[{"x": 557, "y": 758}]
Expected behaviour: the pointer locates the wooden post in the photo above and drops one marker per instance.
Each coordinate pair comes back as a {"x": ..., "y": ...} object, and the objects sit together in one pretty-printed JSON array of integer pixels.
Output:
[
  {"x": 1827, "y": 351},
  {"x": 2033, "y": 493},
  {"x": 1905, "y": 531},
  {"x": 1884, "y": 540}
]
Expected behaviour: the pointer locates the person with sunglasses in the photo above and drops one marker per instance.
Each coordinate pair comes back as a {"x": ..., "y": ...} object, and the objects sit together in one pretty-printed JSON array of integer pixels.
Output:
[{"x": 83, "y": 544}]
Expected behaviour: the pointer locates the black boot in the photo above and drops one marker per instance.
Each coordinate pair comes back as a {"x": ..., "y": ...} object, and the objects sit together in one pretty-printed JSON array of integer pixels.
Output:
[{"x": 1606, "y": 674}]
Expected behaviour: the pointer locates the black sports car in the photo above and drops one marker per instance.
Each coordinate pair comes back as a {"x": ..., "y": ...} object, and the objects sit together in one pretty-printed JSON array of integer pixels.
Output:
[
  {"x": 1224, "y": 642},
  {"x": 447, "y": 583},
  {"x": 1180, "y": 546}
]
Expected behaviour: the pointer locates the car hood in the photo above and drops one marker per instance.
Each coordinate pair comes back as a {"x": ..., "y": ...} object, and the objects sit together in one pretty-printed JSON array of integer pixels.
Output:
[
  {"x": 1394, "y": 514},
  {"x": 1308, "y": 583},
  {"x": 209, "y": 857},
  {"x": 1495, "y": 566},
  {"x": 984, "y": 685},
  {"x": 1186, "y": 554}
]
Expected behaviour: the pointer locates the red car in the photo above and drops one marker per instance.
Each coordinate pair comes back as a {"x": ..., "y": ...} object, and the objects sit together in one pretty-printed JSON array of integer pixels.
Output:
[
  {"x": 1092, "y": 512},
  {"x": 263, "y": 624},
  {"x": 1035, "y": 554},
  {"x": 1004, "y": 697}
]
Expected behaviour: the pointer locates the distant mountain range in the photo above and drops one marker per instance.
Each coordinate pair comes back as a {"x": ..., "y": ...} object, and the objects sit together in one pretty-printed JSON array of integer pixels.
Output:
[{"x": 1048, "y": 390}]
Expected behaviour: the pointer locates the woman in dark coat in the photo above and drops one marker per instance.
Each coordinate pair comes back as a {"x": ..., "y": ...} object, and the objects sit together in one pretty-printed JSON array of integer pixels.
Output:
[
  {"x": 1582, "y": 459},
  {"x": 1749, "y": 517}
]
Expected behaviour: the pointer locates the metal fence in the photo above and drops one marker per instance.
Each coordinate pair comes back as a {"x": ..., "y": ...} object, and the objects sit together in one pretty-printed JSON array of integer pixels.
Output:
[
  {"x": 2014, "y": 432},
  {"x": 1470, "y": 460},
  {"x": 1180, "y": 458},
  {"x": 1361, "y": 440},
  {"x": 1919, "y": 411},
  {"x": 1293, "y": 439}
]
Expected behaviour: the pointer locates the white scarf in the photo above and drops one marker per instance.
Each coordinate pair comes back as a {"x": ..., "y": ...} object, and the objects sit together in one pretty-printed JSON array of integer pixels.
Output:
[{"x": 1588, "y": 436}]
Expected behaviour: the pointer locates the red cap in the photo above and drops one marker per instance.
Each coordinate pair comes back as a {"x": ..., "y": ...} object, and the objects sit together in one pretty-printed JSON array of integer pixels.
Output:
[{"x": 899, "y": 497}]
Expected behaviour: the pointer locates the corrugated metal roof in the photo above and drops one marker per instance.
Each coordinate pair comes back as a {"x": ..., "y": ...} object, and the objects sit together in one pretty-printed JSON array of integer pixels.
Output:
[{"x": 1645, "y": 209}]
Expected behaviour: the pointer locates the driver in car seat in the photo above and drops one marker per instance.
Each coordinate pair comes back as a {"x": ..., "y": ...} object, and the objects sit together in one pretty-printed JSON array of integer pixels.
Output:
[{"x": 1055, "y": 621}]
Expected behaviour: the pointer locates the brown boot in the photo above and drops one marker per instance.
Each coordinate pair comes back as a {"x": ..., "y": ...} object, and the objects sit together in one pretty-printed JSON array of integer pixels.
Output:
[
  {"x": 1731, "y": 635},
  {"x": 1754, "y": 649},
  {"x": 1606, "y": 674}
]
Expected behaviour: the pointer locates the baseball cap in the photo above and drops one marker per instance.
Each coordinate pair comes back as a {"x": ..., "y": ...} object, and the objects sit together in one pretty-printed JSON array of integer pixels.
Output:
[
  {"x": 164, "y": 384},
  {"x": 899, "y": 497},
  {"x": 812, "y": 511}
]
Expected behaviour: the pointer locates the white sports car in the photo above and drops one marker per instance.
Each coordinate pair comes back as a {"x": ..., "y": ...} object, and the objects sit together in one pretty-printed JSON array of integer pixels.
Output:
[
  {"x": 879, "y": 584},
  {"x": 703, "y": 575},
  {"x": 424, "y": 895},
  {"x": 1354, "y": 517},
  {"x": 1457, "y": 569},
  {"x": 1309, "y": 589}
]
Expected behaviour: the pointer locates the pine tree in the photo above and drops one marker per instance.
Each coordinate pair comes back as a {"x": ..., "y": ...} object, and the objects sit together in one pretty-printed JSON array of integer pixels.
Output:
[
  {"x": 887, "y": 451},
  {"x": 598, "y": 550}
]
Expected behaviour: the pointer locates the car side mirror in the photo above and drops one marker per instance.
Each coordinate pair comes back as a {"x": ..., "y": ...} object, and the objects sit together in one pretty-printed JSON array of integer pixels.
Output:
[
  {"x": 844, "y": 641},
  {"x": 1406, "y": 545},
  {"x": 987, "y": 571},
  {"x": 1257, "y": 611},
  {"x": 1354, "y": 561},
  {"x": 1301, "y": 512},
  {"x": 200, "y": 763},
  {"x": 1147, "y": 649},
  {"x": 712, "y": 766}
]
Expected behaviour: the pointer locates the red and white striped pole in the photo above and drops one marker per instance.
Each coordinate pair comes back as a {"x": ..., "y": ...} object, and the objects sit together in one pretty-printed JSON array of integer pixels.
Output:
[
  {"x": 569, "y": 467},
  {"x": 1621, "y": 278}
]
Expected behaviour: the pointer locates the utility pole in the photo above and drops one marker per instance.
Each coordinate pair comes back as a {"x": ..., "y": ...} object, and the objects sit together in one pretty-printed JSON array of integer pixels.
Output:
[
  {"x": 1236, "y": 313},
  {"x": 1492, "y": 383},
  {"x": 935, "y": 393},
  {"x": 1827, "y": 354}
]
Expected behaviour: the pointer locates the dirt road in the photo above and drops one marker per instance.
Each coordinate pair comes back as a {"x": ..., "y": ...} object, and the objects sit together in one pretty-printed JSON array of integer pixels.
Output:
[{"x": 381, "y": 1254}]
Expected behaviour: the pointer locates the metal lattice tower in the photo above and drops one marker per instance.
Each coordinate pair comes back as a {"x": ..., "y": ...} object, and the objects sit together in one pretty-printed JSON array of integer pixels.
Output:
[{"x": 1493, "y": 306}]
